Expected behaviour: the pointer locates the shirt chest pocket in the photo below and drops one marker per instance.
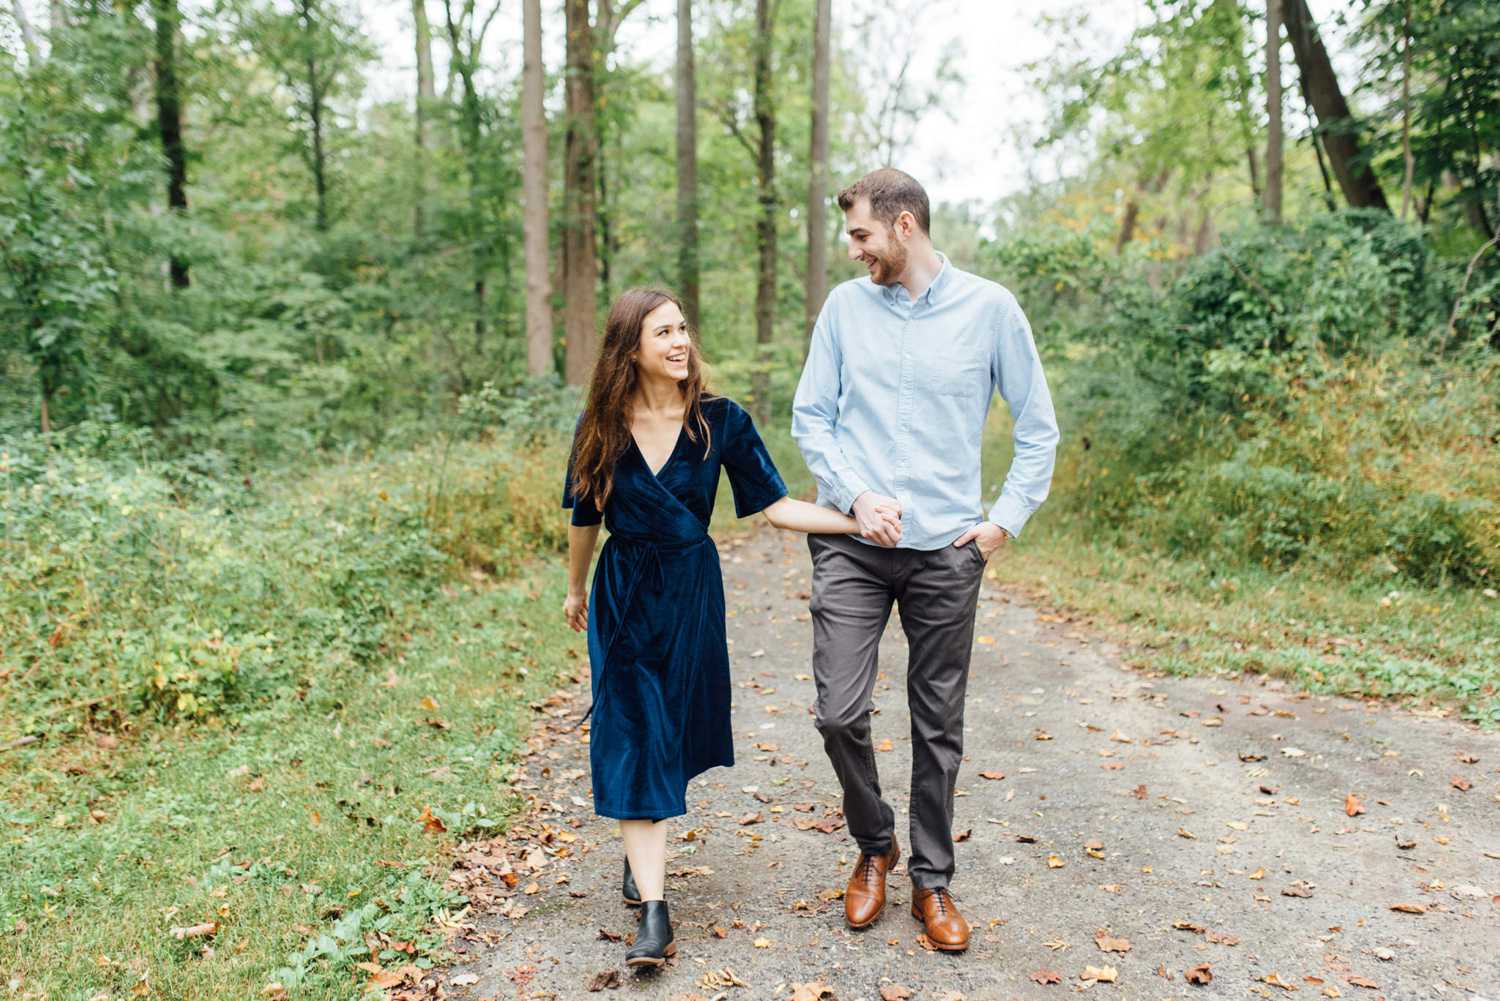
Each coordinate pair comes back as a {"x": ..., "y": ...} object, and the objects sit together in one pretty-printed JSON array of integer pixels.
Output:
[{"x": 951, "y": 375}]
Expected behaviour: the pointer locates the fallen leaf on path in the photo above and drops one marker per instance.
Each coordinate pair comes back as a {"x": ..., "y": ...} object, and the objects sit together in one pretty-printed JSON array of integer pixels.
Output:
[
  {"x": 1293, "y": 752},
  {"x": 1200, "y": 974},
  {"x": 604, "y": 979},
  {"x": 1355, "y": 980},
  {"x": 1055, "y": 861},
  {"x": 1275, "y": 980},
  {"x": 1460, "y": 783},
  {"x": 1099, "y": 974},
  {"x": 1259, "y": 873},
  {"x": 1352, "y": 806},
  {"x": 1056, "y": 945},
  {"x": 963, "y": 835},
  {"x": 1047, "y": 977},
  {"x": 1108, "y": 943},
  {"x": 751, "y": 818},
  {"x": 895, "y": 992},
  {"x": 1041, "y": 735},
  {"x": 1219, "y": 938},
  {"x": 1183, "y": 832},
  {"x": 992, "y": 776},
  {"x": 885, "y": 745},
  {"x": 762, "y": 943},
  {"x": 1410, "y": 908},
  {"x": 1301, "y": 888},
  {"x": 1139, "y": 792}
]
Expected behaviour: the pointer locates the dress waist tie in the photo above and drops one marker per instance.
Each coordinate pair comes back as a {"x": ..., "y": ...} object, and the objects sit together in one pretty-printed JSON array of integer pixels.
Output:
[{"x": 648, "y": 562}]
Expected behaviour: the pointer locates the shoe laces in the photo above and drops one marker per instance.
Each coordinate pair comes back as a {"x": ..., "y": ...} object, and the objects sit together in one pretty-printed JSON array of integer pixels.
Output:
[
  {"x": 865, "y": 870},
  {"x": 940, "y": 900}
]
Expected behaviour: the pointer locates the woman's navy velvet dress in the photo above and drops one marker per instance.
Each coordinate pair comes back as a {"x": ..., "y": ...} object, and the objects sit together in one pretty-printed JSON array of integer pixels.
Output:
[{"x": 660, "y": 664}]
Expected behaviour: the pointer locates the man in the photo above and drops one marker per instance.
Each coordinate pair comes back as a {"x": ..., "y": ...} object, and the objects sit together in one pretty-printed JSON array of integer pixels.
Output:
[{"x": 888, "y": 415}]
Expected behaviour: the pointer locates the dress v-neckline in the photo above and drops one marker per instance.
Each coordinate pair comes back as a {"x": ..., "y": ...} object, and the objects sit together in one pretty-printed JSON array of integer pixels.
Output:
[{"x": 676, "y": 444}]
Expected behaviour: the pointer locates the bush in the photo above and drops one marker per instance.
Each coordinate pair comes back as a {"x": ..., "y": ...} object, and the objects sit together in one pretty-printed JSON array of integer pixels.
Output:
[{"x": 133, "y": 586}]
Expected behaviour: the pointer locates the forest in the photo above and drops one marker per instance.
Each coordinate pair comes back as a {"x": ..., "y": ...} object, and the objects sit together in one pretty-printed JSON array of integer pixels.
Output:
[{"x": 297, "y": 297}]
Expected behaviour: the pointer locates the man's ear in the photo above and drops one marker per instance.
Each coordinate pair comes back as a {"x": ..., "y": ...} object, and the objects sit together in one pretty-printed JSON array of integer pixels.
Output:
[{"x": 906, "y": 224}]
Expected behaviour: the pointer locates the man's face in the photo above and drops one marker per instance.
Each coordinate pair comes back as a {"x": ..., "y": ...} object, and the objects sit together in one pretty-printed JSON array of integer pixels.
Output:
[{"x": 881, "y": 248}]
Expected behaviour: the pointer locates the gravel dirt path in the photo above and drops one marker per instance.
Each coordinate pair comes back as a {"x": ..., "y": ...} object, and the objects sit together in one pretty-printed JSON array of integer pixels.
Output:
[{"x": 1112, "y": 823}]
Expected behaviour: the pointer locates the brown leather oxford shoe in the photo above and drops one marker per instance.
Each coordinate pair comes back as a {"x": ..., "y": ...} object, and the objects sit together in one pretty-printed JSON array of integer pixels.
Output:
[
  {"x": 946, "y": 928},
  {"x": 864, "y": 898}
]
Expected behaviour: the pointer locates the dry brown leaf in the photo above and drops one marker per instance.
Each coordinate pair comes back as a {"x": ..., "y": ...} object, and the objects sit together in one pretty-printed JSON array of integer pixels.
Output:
[
  {"x": 1355, "y": 980},
  {"x": 1352, "y": 806},
  {"x": 1301, "y": 888},
  {"x": 1047, "y": 977},
  {"x": 195, "y": 931},
  {"x": 1460, "y": 783},
  {"x": 1055, "y": 861},
  {"x": 1139, "y": 792},
  {"x": 885, "y": 745},
  {"x": 751, "y": 818},
  {"x": 1274, "y": 979},
  {"x": 609, "y": 979},
  {"x": 895, "y": 992},
  {"x": 1410, "y": 908},
  {"x": 1108, "y": 943},
  {"x": 1200, "y": 974},
  {"x": 1099, "y": 974},
  {"x": 431, "y": 824},
  {"x": 992, "y": 776}
]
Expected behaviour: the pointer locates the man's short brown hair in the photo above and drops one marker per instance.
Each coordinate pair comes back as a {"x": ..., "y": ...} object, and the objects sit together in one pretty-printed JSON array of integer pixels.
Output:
[{"x": 890, "y": 192}]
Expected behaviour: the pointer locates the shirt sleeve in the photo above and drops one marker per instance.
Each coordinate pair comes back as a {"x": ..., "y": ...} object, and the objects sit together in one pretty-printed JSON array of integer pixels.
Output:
[
  {"x": 585, "y": 512},
  {"x": 815, "y": 410},
  {"x": 752, "y": 475},
  {"x": 1016, "y": 370}
]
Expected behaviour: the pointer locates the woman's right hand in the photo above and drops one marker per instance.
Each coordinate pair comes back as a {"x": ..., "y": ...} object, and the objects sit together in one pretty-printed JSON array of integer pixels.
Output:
[{"x": 576, "y": 611}]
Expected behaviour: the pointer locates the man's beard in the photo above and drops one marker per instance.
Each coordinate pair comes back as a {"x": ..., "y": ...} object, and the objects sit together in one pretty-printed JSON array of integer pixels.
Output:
[{"x": 888, "y": 269}]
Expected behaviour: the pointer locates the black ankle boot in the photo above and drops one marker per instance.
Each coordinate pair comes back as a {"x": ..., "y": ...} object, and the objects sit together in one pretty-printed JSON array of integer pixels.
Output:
[
  {"x": 627, "y": 887},
  {"x": 653, "y": 936}
]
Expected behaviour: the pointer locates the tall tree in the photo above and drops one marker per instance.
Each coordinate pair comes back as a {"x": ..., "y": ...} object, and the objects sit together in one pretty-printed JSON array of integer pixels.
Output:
[
  {"x": 534, "y": 194},
  {"x": 687, "y": 164},
  {"x": 169, "y": 122},
  {"x": 817, "y": 160},
  {"x": 1274, "y": 132},
  {"x": 765, "y": 225},
  {"x": 1339, "y": 130},
  {"x": 28, "y": 34},
  {"x": 590, "y": 40},
  {"x": 466, "y": 42},
  {"x": 317, "y": 93},
  {"x": 580, "y": 261},
  {"x": 425, "y": 106}
]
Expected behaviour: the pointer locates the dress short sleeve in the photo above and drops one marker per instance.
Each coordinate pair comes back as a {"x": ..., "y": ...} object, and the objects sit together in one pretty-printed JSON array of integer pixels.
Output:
[
  {"x": 585, "y": 512},
  {"x": 752, "y": 475}
]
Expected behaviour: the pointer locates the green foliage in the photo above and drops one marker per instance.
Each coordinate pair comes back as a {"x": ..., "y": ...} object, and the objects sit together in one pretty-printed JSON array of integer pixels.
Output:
[{"x": 172, "y": 589}]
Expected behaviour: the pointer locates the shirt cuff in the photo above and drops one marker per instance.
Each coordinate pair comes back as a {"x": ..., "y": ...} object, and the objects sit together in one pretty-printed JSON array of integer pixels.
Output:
[
  {"x": 1010, "y": 514},
  {"x": 850, "y": 486}
]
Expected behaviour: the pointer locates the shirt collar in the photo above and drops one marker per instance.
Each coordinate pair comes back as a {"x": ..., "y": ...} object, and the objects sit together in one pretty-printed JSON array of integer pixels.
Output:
[{"x": 934, "y": 291}]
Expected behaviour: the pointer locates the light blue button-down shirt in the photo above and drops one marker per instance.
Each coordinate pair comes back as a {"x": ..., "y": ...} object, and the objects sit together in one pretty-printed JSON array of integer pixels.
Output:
[{"x": 895, "y": 394}]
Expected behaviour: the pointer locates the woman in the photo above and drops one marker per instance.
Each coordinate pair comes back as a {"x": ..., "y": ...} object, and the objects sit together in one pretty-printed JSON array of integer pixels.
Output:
[{"x": 646, "y": 460}]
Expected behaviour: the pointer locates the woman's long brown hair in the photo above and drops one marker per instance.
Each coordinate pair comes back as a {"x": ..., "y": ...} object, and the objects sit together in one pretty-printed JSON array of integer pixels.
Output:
[{"x": 604, "y": 431}]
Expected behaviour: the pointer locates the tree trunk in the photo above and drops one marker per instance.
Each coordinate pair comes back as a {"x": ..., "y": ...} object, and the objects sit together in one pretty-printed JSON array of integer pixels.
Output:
[
  {"x": 765, "y": 226},
  {"x": 534, "y": 193},
  {"x": 1408, "y": 161},
  {"x": 28, "y": 34},
  {"x": 817, "y": 182},
  {"x": 169, "y": 122},
  {"x": 1153, "y": 186},
  {"x": 315, "y": 114},
  {"x": 1274, "y": 133},
  {"x": 425, "y": 106},
  {"x": 580, "y": 260},
  {"x": 687, "y": 165},
  {"x": 1340, "y": 138}
]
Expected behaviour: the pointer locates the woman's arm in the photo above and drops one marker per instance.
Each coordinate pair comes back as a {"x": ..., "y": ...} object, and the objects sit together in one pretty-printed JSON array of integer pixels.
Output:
[
  {"x": 800, "y": 516},
  {"x": 581, "y": 540}
]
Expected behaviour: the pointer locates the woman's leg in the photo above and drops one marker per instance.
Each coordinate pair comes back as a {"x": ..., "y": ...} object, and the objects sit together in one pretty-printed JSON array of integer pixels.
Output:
[{"x": 646, "y": 847}]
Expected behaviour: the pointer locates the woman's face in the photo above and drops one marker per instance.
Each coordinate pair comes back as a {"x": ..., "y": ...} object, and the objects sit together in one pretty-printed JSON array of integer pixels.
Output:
[{"x": 665, "y": 345}]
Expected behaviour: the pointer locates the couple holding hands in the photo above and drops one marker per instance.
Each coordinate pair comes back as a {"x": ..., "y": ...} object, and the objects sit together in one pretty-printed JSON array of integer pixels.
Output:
[{"x": 888, "y": 415}]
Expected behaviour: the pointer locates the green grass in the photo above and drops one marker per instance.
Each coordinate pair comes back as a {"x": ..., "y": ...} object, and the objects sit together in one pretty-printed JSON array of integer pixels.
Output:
[{"x": 296, "y": 830}]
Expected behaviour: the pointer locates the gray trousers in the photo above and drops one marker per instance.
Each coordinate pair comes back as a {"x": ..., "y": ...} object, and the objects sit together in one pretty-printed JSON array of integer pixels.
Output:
[{"x": 854, "y": 586}]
